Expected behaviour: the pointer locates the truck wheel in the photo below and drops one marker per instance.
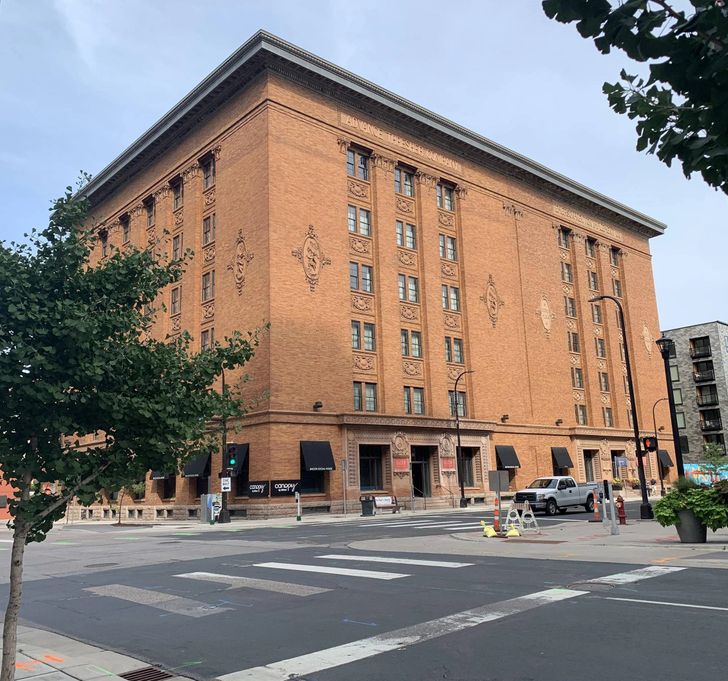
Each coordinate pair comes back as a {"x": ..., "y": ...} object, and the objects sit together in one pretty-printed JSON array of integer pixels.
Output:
[
  {"x": 551, "y": 507},
  {"x": 589, "y": 505}
]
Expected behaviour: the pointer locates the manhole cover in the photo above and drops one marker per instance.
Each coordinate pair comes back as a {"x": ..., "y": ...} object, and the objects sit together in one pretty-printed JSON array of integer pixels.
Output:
[
  {"x": 591, "y": 586},
  {"x": 146, "y": 674},
  {"x": 93, "y": 565}
]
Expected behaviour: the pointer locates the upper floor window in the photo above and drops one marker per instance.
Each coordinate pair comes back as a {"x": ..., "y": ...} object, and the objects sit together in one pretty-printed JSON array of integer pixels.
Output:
[
  {"x": 604, "y": 382},
  {"x": 208, "y": 172},
  {"x": 580, "y": 412},
  {"x": 406, "y": 234},
  {"x": 365, "y": 396},
  {"x": 573, "y": 339},
  {"x": 177, "y": 193},
  {"x": 450, "y": 298},
  {"x": 448, "y": 247},
  {"x": 601, "y": 347},
  {"x": 577, "y": 377},
  {"x": 357, "y": 164},
  {"x": 569, "y": 306},
  {"x": 567, "y": 272},
  {"x": 608, "y": 417},
  {"x": 207, "y": 338},
  {"x": 150, "y": 210},
  {"x": 596, "y": 313},
  {"x": 125, "y": 229},
  {"x": 370, "y": 337},
  {"x": 590, "y": 246},
  {"x": 361, "y": 277},
  {"x": 177, "y": 247},
  {"x": 104, "y": 241},
  {"x": 617, "y": 287},
  {"x": 593, "y": 280},
  {"x": 360, "y": 220},
  {"x": 208, "y": 286},
  {"x": 700, "y": 347},
  {"x": 404, "y": 181},
  {"x": 445, "y": 197},
  {"x": 355, "y": 335},
  {"x": 175, "y": 306},
  {"x": 454, "y": 350},
  {"x": 411, "y": 343},
  {"x": 564, "y": 236},
  {"x": 614, "y": 254},
  {"x": 408, "y": 288},
  {"x": 458, "y": 403},
  {"x": 208, "y": 230},
  {"x": 414, "y": 400}
]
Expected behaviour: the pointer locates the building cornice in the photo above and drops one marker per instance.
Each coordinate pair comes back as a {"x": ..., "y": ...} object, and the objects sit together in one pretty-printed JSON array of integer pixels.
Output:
[{"x": 265, "y": 51}]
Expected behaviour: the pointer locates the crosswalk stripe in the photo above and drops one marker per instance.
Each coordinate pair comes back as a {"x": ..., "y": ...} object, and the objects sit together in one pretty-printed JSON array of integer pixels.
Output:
[
  {"x": 370, "y": 574},
  {"x": 403, "y": 561},
  {"x": 157, "y": 599},
  {"x": 445, "y": 526},
  {"x": 635, "y": 575},
  {"x": 235, "y": 582}
]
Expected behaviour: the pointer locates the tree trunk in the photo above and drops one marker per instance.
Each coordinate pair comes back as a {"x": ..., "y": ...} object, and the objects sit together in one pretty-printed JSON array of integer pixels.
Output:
[
  {"x": 10, "y": 630},
  {"x": 118, "y": 512}
]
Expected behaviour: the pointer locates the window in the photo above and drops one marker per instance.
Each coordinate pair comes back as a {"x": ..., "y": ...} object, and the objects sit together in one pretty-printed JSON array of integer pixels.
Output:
[
  {"x": 677, "y": 395},
  {"x": 404, "y": 182},
  {"x": 416, "y": 343},
  {"x": 355, "y": 335},
  {"x": 700, "y": 347},
  {"x": 680, "y": 417},
  {"x": 458, "y": 398},
  {"x": 208, "y": 172},
  {"x": 176, "y": 301},
  {"x": 169, "y": 486},
  {"x": 406, "y": 235},
  {"x": 457, "y": 351},
  {"x": 674, "y": 373},
  {"x": 601, "y": 347},
  {"x": 370, "y": 467},
  {"x": 573, "y": 339},
  {"x": 411, "y": 343},
  {"x": 684, "y": 444},
  {"x": 608, "y": 417},
  {"x": 570, "y": 306},
  {"x": 467, "y": 455},
  {"x": 617, "y": 286},
  {"x": 207, "y": 338},
  {"x": 707, "y": 395},
  {"x": 311, "y": 482},
  {"x": 363, "y": 224},
  {"x": 448, "y": 349},
  {"x": 357, "y": 164},
  {"x": 358, "y": 402},
  {"x": 177, "y": 194},
  {"x": 104, "y": 239},
  {"x": 580, "y": 411},
  {"x": 450, "y": 298},
  {"x": 149, "y": 208},
  {"x": 408, "y": 288},
  {"x": 414, "y": 400},
  {"x": 177, "y": 247},
  {"x": 567, "y": 272},
  {"x": 596, "y": 313},
  {"x": 125, "y": 229},
  {"x": 208, "y": 286},
  {"x": 614, "y": 254},
  {"x": 590, "y": 246},
  {"x": 564, "y": 236},
  {"x": 593, "y": 280},
  {"x": 208, "y": 230},
  {"x": 448, "y": 247},
  {"x": 370, "y": 342},
  {"x": 604, "y": 382},
  {"x": 370, "y": 397},
  {"x": 577, "y": 377},
  {"x": 361, "y": 277},
  {"x": 619, "y": 320},
  {"x": 445, "y": 197}
]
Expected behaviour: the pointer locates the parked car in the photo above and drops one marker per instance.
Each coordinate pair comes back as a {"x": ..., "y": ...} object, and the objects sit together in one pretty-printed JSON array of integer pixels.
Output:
[{"x": 555, "y": 494}]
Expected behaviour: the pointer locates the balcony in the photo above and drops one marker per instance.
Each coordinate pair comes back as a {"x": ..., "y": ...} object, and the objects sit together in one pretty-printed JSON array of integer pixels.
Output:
[
  {"x": 700, "y": 351},
  {"x": 703, "y": 376},
  {"x": 711, "y": 424},
  {"x": 709, "y": 400}
]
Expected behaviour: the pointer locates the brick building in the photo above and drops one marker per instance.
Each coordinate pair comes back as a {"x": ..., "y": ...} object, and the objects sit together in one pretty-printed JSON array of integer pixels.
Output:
[{"x": 391, "y": 250}]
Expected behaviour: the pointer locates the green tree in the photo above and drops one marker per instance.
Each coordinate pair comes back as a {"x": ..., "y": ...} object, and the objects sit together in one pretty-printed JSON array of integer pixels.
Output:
[
  {"x": 78, "y": 364},
  {"x": 715, "y": 462},
  {"x": 681, "y": 105}
]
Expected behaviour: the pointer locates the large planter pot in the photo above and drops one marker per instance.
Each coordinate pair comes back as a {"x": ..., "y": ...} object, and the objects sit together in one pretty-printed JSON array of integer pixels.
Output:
[{"x": 690, "y": 529}]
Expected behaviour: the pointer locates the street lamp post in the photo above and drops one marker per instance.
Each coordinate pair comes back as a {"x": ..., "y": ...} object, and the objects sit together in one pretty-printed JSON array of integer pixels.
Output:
[
  {"x": 645, "y": 507},
  {"x": 463, "y": 500},
  {"x": 665, "y": 345},
  {"x": 659, "y": 463},
  {"x": 224, "y": 516}
]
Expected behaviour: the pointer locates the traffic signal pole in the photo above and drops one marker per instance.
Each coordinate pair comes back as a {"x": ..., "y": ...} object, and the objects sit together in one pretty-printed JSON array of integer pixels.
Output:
[{"x": 224, "y": 516}]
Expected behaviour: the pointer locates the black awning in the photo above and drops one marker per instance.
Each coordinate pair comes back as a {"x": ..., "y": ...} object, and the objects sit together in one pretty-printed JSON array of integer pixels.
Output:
[
  {"x": 160, "y": 475},
  {"x": 561, "y": 457},
  {"x": 198, "y": 468},
  {"x": 317, "y": 456},
  {"x": 665, "y": 459},
  {"x": 241, "y": 454},
  {"x": 507, "y": 457}
]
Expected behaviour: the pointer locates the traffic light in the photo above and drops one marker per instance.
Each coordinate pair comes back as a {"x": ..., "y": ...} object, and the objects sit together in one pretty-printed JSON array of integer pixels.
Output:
[
  {"x": 649, "y": 444},
  {"x": 231, "y": 456}
]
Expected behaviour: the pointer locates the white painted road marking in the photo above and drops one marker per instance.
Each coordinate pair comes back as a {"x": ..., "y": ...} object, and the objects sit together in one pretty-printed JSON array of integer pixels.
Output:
[
  {"x": 235, "y": 582},
  {"x": 674, "y": 605},
  {"x": 635, "y": 575},
  {"x": 403, "y": 561},
  {"x": 370, "y": 574},
  {"x": 157, "y": 599},
  {"x": 398, "y": 639}
]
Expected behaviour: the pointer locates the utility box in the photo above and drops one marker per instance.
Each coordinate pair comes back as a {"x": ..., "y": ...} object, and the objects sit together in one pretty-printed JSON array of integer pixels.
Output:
[
  {"x": 498, "y": 481},
  {"x": 210, "y": 505}
]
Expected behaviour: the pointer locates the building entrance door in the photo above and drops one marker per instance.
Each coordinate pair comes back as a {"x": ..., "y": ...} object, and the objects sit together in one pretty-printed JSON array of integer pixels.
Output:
[{"x": 421, "y": 471}]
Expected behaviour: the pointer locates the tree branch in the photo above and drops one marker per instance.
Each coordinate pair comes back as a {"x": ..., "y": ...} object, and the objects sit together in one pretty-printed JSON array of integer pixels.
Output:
[
  {"x": 67, "y": 497},
  {"x": 681, "y": 17}
]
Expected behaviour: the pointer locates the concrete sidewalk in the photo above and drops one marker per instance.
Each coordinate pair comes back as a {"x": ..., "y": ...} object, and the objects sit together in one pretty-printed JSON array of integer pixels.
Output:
[{"x": 45, "y": 656}]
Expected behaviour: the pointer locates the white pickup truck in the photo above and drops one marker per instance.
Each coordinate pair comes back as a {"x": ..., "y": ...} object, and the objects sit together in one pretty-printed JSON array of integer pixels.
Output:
[{"x": 556, "y": 493}]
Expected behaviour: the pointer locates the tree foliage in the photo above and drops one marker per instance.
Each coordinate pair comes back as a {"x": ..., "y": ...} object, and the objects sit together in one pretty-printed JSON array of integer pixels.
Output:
[
  {"x": 77, "y": 363},
  {"x": 681, "y": 107}
]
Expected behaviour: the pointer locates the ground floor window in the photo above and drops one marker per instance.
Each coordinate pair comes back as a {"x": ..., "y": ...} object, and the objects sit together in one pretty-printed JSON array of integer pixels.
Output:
[
  {"x": 370, "y": 467},
  {"x": 468, "y": 456},
  {"x": 201, "y": 485},
  {"x": 590, "y": 456},
  {"x": 618, "y": 464},
  {"x": 312, "y": 482},
  {"x": 242, "y": 479},
  {"x": 169, "y": 487}
]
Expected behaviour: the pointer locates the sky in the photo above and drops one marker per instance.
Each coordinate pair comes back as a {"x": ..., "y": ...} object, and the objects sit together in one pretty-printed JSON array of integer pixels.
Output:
[{"x": 81, "y": 79}]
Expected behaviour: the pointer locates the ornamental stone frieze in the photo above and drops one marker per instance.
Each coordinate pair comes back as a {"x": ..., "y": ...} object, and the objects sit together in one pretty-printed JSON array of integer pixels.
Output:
[
  {"x": 136, "y": 211},
  {"x": 191, "y": 171},
  {"x": 446, "y": 219},
  {"x": 208, "y": 311},
  {"x": 647, "y": 339},
  {"x": 543, "y": 312},
  {"x": 446, "y": 446},
  {"x": 405, "y": 206},
  {"x": 461, "y": 191},
  {"x": 615, "y": 272},
  {"x": 343, "y": 144},
  {"x": 161, "y": 193},
  {"x": 358, "y": 189},
  {"x": 364, "y": 363},
  {"x": 241, "y": 261},
  {"x": 409, "y": 313},
  {"x": 426, "y": 179},
  {"x": 448, "y": 269},
  {"x": 179, "y": 217},
  {"x": 176, "y": 323},
  {"x": 208, "y": 254},
  {"x": 311, "y": 257},
  {"x": 410, "y": 368},
  {"x": 453, "y": 373},
  {"x": 383, "y": 162},
  {"x": 400, "y": 445},
  {"x": 407, "y": 258},
  {"x": 452, "y": 322},
  {"x": 359, "y": 245},
  {"x": 492, "y": 300},
  {"x": 209, "y": 197},
  {"x": 362, "y": 303},
  {"x": 513, "y": 210}
]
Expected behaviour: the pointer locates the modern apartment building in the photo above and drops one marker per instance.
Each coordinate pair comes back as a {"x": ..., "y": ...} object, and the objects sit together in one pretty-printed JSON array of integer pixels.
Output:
[
  {"x": 698, "y": 369},
  {"x": 409, "y": 268}
]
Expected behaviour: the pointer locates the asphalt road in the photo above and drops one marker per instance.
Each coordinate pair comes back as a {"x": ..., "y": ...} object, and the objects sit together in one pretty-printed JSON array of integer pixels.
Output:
[{"x": 271, "y": 603}]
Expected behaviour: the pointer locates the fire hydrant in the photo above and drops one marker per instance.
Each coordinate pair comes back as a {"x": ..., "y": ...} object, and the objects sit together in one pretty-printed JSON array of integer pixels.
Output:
[{"x": 621, "y": 513}]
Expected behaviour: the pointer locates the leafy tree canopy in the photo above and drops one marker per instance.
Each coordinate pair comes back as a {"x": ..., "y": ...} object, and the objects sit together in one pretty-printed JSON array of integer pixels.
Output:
[
  {"x": 681, "y": 107},
  {"x": 77, "y": 361}
]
